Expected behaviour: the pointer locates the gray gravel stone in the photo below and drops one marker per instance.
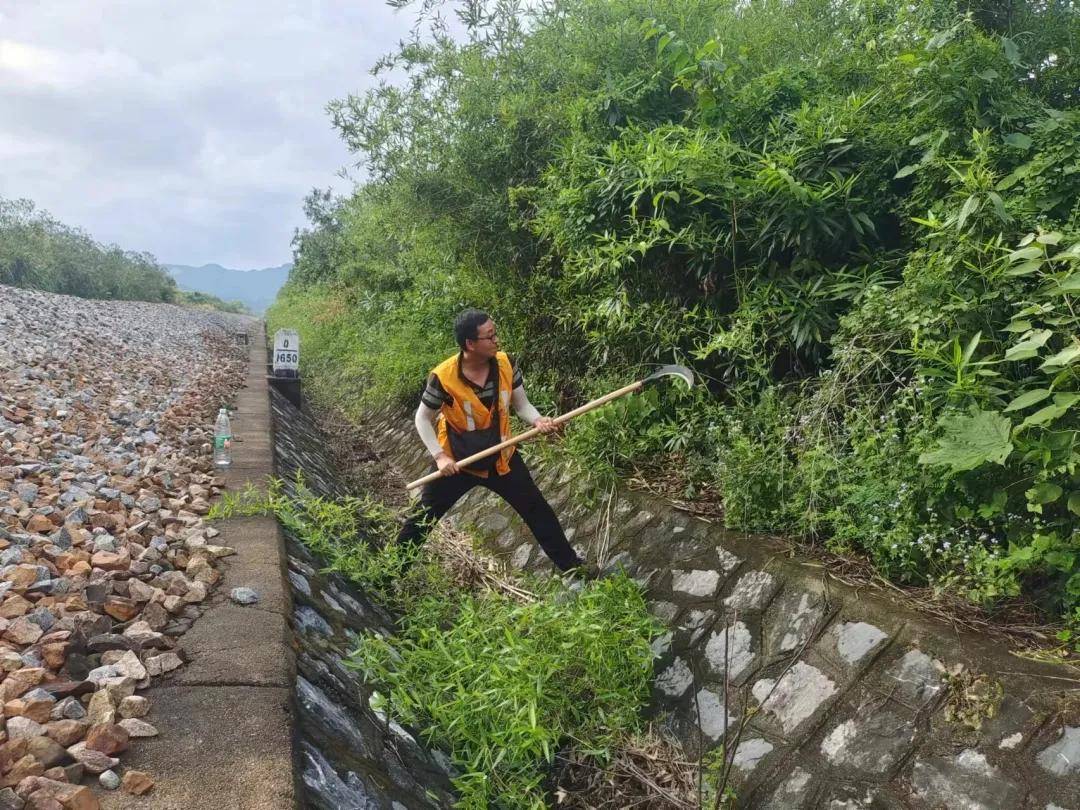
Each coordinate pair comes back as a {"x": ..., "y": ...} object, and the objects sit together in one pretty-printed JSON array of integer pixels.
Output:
[
  {"x": 109, "y": 780},
  {"x": 244, "y": 596}
]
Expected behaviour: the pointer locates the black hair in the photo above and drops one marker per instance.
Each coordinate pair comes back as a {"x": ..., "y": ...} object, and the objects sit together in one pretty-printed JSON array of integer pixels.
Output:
[{"x": 467, "y": 323}]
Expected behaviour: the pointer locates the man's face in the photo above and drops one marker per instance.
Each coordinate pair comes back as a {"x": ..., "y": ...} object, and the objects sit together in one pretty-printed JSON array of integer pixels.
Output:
[{"x": 487, "y": 340}]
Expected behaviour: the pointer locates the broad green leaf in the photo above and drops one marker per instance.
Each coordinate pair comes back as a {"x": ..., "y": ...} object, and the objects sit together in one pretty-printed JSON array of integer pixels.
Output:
[
  {"x": 1017, "y": 326},
  {"x": 1065, "y": 357},
  {"x": 1030, "y": 347},
  {"x": 1025, "y": 269},
  {"x": 1074, "y": 503},
  {"x": 1051, "y": 238},
  {"x": 911, "y": 168},
  {"x": 1023, "y": 254},
  {"x": 1044, "y": 415},
  {"x": 1044, "y": 493},
  {"x": 1012, "y": 53},
  {"x": 1018, "y": 140},
  {"x": 1028, "y": 399},
  {"x": 971, "y": 440},
  {"x": 1070, "y": 284}
]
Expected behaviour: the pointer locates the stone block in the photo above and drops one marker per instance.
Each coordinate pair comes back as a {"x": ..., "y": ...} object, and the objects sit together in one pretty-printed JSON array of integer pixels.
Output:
[
  {"x": 520, "y": 558},
  {"x": 752, "y": 592},
  {"x": 794, "y": 793},
  {"x": 1062, "y": 758},
  {"x": 675, "y": 679},
  {"x": 967, "y": 780},
  {"x": 727, "y": 561},
  {"x": 730, "y": 652},
  {"x": 700, "y": 584},
  {"x": 795, "y": 697},
  {"x": 713, "y": 719},
  {"x": 870, "y": 743},
  {"x": 914, "y": 678},
  {"x": 793, "y": 619}
]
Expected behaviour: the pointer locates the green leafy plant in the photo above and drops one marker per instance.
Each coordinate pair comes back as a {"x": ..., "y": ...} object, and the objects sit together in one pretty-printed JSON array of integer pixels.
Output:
[{"x": 503, "y": 684}]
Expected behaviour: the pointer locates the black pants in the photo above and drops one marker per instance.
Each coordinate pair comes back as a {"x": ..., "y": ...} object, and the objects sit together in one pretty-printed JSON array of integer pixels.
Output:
[{"x": 517, "y": 488}]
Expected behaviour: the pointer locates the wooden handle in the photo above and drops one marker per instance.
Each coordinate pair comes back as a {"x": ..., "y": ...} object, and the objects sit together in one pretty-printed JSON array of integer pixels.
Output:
[{"x": 529, "y": 434}]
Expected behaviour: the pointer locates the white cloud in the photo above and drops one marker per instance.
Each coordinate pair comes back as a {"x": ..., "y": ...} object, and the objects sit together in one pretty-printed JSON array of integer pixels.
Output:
[{"x": 191, "y": 130}]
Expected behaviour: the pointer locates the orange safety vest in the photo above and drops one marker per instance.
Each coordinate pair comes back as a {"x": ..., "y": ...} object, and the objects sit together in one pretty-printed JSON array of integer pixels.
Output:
[{"x": 467, "y": 411}]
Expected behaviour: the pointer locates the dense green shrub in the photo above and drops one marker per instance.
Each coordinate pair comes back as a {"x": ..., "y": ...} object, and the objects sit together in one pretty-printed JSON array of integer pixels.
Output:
[
  {"x": 857, "y": 221},
  {"x": 40, "y": 253}
]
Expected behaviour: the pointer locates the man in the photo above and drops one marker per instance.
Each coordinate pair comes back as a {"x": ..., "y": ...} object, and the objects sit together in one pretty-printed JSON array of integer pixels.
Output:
[{"x": 472, "y": 392}]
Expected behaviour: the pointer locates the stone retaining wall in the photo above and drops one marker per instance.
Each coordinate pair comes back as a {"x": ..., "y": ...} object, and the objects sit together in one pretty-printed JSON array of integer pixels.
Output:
[{"x": 841, "y": 689}]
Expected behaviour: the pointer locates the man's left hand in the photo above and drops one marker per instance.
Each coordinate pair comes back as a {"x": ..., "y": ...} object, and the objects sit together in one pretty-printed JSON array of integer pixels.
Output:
[{"x": 546, "y": 425}]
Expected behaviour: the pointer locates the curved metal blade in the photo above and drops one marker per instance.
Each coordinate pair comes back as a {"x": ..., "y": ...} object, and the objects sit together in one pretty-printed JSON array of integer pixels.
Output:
[{"x": 682, "y": 372}]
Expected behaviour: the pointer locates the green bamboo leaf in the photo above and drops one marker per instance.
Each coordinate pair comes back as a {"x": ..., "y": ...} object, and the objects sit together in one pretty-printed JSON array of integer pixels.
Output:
[
  {"x": 999, "y": 206},
  {"x": 970, "y": 206},
  {"x": 911, "y": 168}
]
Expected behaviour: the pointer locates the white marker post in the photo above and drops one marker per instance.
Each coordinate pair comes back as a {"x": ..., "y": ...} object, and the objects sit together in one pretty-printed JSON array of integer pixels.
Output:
[{"x": 286, "y": 361}]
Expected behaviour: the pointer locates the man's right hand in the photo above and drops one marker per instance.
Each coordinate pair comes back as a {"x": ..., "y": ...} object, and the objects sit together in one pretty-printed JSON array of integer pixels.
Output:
[{"x": 446, "y": 465}]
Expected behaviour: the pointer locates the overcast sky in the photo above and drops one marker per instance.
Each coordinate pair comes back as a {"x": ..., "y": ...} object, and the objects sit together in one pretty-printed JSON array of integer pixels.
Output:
[{"x": 189, "y": 129}]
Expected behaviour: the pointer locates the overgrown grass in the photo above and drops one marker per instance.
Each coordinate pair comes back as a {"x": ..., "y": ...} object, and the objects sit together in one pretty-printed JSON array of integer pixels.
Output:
[
  {"x": 501, "y": 679},
  {"x": 504, "y": 684}
]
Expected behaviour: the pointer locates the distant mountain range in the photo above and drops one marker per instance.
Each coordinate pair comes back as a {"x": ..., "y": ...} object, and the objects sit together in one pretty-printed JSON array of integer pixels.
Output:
[{"x": 257, "y": 289}]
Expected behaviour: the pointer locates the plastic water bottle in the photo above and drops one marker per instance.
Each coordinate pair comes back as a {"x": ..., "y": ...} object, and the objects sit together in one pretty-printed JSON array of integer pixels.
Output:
[{"x": 222, "y": 440}]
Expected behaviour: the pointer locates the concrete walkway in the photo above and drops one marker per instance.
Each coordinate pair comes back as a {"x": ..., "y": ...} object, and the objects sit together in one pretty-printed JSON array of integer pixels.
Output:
[{"x": 225, "y": 719}]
